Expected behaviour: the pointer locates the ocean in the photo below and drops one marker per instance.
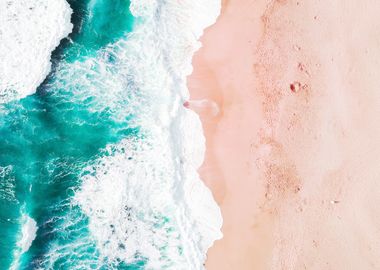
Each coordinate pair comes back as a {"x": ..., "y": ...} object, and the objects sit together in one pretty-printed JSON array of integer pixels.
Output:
[{"x": 98, "y": 157}]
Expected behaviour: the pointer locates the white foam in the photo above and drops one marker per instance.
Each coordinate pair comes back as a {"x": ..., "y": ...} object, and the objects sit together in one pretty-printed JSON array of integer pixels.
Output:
[
  {"x": 28, "y": 234},
  {"x": 144, "y": 196},
  {"x": 29, "y": 31},
  {"x": 7, "y": 185}
]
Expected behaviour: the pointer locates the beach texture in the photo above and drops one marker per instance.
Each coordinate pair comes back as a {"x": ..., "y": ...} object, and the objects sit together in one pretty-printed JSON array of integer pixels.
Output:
[{"x": 288, "y": 95}]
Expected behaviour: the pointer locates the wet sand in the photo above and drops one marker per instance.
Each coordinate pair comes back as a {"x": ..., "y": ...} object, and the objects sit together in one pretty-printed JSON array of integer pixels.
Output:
[{"x": 291, "y": 113}]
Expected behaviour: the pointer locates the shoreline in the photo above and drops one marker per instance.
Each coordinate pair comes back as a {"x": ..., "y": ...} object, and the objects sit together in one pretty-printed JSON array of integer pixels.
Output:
[
  {"x": 288, "y": 158},
  {"x": 213, "y": 65}
]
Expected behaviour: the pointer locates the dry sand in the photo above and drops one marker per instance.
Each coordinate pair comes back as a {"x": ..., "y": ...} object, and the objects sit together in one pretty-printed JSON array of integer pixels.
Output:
[{"x": 293, "y": 154}]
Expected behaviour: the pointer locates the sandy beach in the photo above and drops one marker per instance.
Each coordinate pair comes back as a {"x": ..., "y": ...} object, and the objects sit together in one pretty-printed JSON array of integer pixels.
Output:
[{"x": 290, "y": 108}]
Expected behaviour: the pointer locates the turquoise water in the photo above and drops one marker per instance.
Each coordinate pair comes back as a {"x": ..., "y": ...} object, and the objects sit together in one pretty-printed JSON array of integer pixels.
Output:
[{"x": 49, "y": 137}]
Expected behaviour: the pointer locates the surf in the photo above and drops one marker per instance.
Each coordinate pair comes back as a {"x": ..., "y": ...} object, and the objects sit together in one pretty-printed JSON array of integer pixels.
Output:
[{"x": 104, "y": 156}]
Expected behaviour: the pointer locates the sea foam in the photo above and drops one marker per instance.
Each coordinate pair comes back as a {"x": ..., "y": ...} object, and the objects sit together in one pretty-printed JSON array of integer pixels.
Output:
[
  {"x": 29, "y": 31},
  {"x": 27, "y": 235},
  {"x": 144, "y": 198}
]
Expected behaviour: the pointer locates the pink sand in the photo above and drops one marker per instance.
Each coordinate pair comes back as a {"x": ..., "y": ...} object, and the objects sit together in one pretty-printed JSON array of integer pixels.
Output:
[{"x": 293, "y": 148}]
